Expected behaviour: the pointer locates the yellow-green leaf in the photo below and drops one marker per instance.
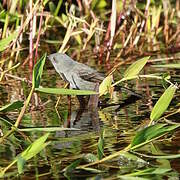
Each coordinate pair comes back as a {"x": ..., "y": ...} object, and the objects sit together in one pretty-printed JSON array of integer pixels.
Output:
[
  {"x": 163, "y": 103},
  {"x": 136, "y": 67},
  {"x": 65, "y": 91},
  {"x": 5, "y": 42},
  {"x": 105, "y": 86}
]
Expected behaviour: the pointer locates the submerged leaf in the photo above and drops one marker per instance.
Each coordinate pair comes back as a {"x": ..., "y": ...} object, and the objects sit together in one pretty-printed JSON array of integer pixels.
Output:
[
  {"x": 136, "y": 67},
  {"x": 163, "y": 103}
]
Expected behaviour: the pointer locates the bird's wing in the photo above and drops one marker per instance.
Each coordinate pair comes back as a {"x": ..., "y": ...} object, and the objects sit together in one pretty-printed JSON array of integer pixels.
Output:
[{"x": 89, "y": 74}]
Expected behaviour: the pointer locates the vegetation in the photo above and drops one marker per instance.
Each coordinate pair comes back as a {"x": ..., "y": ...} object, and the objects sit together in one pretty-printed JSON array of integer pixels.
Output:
[{"x": 136, "y": 43}]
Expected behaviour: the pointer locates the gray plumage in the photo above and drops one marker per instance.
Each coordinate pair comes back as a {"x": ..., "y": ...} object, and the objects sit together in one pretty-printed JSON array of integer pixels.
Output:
[{"x": 78, "y": 75}]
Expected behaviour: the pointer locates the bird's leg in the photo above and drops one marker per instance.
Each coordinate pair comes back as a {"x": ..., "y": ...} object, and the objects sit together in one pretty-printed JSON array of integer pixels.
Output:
[
  {"x": 82, "y": 101},
  {"x": 59, "y": 98},
  {"x": 93, "y": 99},
  {"x": 69, "y": 104}
]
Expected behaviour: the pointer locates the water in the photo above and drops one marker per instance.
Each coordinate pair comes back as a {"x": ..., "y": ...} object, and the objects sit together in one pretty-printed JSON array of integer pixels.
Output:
[{"x": 119, "y": 123}]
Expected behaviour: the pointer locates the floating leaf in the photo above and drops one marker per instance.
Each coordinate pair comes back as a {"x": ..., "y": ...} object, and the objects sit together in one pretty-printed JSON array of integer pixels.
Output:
[
  {"x": 105, "y": 86},
  {"x": 65, "y": 91},
  {"x": 163, "y": 103},
  {"x": 11, "y": 106},
  {"x": 5, "y": 42},
  {"x": 136, "y": 67},
  {"x": 37, "y": 71}
]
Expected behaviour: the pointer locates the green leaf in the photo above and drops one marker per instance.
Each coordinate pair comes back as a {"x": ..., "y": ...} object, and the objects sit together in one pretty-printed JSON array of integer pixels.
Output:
[
  {"x": 20, "y": 164},
  {"x": 164, "y": 157},
  {"x": 105, "y": 86},
  {"x": 136, "y": 67},
  {"x": 37, "y": 71},
  {"x": 11, "y": 106},
  {"x": 99, "y": 4},
  {"x": 163, "y": 103},
  {"x": 100, "y": 152},
  {"x": 5, "y": 42},
  {"x": 150, "y": 133},
  {"x": 52, "y": 7},
  {"x": 150, "y": 171},
  {"x": 72, "y": 166},
  {"x": 27, "y": 154},
  {"x": 47, "y": 129},
  {"x": 65, "y": 91},
  {"x": 35, "y": 148},
  {"x": 175, "y": 66}
]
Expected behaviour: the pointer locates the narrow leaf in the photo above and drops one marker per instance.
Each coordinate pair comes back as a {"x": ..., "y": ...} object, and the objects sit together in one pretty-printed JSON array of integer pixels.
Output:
[
  {"x": 11, "y": 106},
  {"x": 65, "y": 91},
  {"x": 47, "y": 129},
  {"x": 37, "y": 71},
  {"x": 100, "y": 152},
  {"x": 163, "y": 103},
  {"x": 175, "y": 66},
  {"x": 136, "y": 67}
]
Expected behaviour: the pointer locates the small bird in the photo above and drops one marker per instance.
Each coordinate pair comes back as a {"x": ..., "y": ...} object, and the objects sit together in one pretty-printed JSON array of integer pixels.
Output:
[
  {"x": 78, "y": 75},
  {"x": 81, "y": 77}
]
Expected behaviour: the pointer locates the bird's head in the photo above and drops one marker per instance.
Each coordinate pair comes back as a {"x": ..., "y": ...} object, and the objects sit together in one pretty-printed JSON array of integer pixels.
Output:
[{"x": 61, "y": 62}]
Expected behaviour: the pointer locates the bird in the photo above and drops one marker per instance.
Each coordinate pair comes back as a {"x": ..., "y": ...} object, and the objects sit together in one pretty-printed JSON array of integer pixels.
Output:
[
  {"x": 81, "y": 77},
  {"x": 78, "y": 75}
]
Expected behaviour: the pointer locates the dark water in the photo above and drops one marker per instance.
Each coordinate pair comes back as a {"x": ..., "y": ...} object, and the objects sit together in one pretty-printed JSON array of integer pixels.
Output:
[{"x": 120, "y": 123}]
